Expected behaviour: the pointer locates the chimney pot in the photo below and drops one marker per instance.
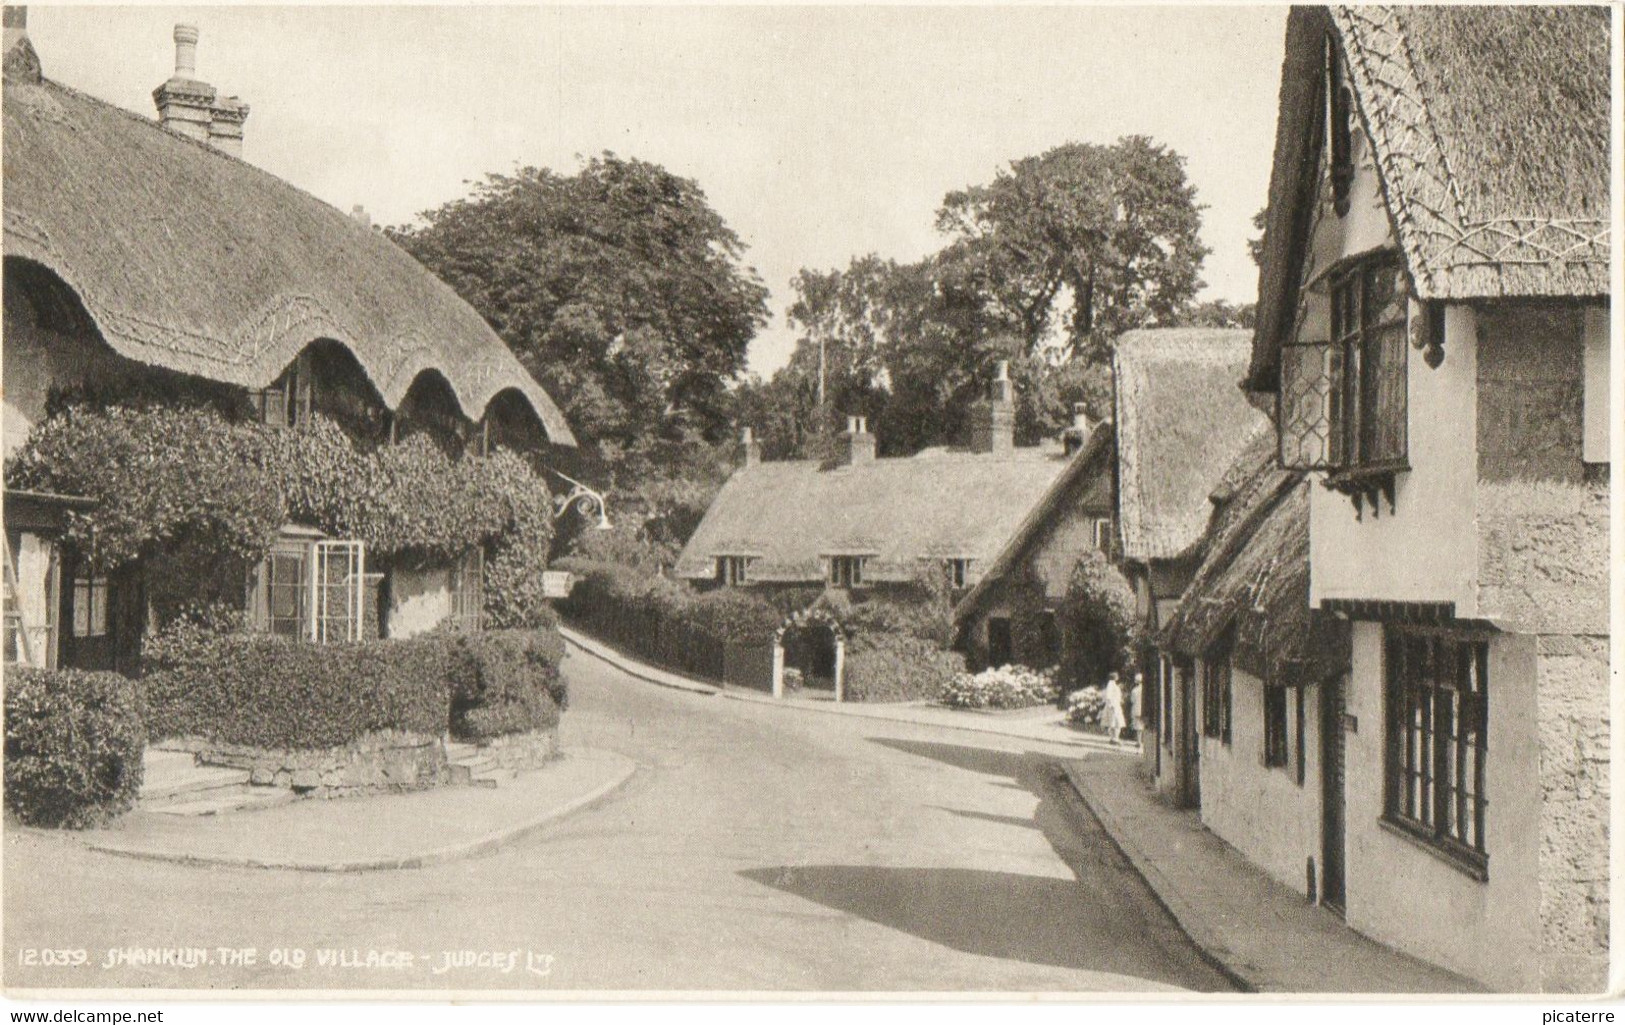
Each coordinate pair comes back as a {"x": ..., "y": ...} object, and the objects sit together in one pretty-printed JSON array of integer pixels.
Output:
[
  {"x": 186, "y": 51},
  {"x": 857, "y": 445},
  {"x": 750, "y": 453},
  {"x": 16, "y": 16}
]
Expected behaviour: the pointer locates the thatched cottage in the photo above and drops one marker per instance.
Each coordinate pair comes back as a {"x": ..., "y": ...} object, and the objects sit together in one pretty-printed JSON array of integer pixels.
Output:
[
  {"x": 1012, "y": 613},
  {"x": 1181, "y": 421},
  {"x": 147, "y": 255},
  {"x": 862, "y": 524},
  {"x": 1433, "y": 331}
]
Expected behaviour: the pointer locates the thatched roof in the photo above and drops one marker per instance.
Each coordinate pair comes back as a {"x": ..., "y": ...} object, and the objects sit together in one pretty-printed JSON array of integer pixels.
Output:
[
  {"x": 1093, "y": 462},
  {"x": 1490, "y": 131},
  {"x": 1181, "y": 419},
  {"x": 1254, "y": 579},
  {"x": 898, "y": 512},
  {"x": 192, "y": 260}
]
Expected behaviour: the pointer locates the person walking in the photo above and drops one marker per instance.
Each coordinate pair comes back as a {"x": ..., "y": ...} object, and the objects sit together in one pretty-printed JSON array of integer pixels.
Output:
[{"x": 1111, "y": 716}]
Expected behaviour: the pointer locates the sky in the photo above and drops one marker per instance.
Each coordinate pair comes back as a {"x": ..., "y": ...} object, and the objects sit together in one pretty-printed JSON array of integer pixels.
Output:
[{"x": 818, "y": 133}]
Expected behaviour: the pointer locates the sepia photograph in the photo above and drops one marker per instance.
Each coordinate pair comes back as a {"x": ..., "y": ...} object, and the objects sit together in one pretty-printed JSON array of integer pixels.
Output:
[{"x": 767, "y": 503}]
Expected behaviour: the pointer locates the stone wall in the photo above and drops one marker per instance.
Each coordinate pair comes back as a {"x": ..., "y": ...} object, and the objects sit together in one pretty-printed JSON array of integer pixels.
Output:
[
  {"x": 520, "y": 751},
  {"x": 1574, "y": 777},
  {"x": 387, "y": 761}
]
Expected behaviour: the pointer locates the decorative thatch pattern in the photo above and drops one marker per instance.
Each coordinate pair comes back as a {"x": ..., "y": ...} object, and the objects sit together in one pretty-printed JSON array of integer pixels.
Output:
[
  {"x": 900, "y": 513},
  {"x": 197, "y": 262},
  {"x": 1254, "y": 578},
  {"x": 1093, "y": 462},
  {"x": 1489, "y": 127},
  {"x": 1181, "y": 419}
]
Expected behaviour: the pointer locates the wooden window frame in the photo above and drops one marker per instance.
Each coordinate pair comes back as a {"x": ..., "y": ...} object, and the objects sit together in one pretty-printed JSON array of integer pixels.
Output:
[
  {"x": 90, "y": 596},
  {"x": 958, "y": 572},
  {"x": 1103, "y": 534},
  {"x": 1218, "y": 685},
  {"x": 733, "y": 570},
  {"x": 846, "y": 571},
  {"x": 1434, "y": 769},
  {"x": 468, "y": 592},
  {"x": 1277, "y": 746}
]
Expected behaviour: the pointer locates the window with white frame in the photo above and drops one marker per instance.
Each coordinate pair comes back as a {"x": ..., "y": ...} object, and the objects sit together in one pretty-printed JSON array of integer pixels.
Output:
[
  {"x": 958, "y": 571},
  {"x": 310, "y": 590},
  {"x": 733, "y": 570},
  {"x": 1437, "y": 718},
  {"x": 846, "y": 570}
]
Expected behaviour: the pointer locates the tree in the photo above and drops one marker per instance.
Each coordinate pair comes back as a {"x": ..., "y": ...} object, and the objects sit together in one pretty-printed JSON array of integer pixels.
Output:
[
  {"x": 619, "y": 287},
  {"x": 1103, "y": 237},
  {"x": 1098, "y": 621}
]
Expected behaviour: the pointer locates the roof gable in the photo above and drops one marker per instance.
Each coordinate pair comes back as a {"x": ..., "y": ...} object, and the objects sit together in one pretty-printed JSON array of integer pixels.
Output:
[
  {"x": 1181, "y": 420},
  {"x": 1489, "y": 125},
  {"x": 192, "y": 260}
]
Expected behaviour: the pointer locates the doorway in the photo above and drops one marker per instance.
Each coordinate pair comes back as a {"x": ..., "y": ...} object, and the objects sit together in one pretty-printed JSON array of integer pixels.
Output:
[
  {"x": 1332, "y": 793},
  {"x": 999, "y": 647}
]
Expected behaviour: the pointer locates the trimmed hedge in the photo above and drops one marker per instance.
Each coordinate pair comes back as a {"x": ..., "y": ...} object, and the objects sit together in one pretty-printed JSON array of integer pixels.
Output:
[
  {"x": 270, "y": 692},
  {"x": 664, "y": 621},
  {"x": 207, "y": 679},
  {"x": 897, "y": 667},
  {"x": 505, "y": 682},
  {"x": 74, "y": 742}
]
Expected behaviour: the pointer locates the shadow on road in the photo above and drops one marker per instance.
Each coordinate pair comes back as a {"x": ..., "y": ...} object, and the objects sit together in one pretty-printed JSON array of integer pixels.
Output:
[{"x": 1106, "y": 920}]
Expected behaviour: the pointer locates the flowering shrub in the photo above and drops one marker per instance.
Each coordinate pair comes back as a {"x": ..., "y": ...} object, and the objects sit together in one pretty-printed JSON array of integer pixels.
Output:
[
  {"x": 792, "y": 679},
  {"x": 1004, "y": 687},
  {"x": 898, "y": 667},
  {"x": 1084, "y": 707}
]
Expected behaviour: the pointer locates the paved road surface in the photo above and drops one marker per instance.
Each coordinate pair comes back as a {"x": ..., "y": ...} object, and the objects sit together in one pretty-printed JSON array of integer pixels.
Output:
[{"x": 756, "y": 849}]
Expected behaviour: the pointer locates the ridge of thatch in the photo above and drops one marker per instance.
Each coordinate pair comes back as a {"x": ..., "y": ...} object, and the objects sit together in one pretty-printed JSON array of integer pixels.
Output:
[
  {"x": 1181, "y": 420},
  {"x": 1254, "y": 581},
  {"x": 899, "y": 513},
  {"x": 195, "y": 261},
  {"x": 1093, "y": 458},
  {"x": 1489, "y": 126}
]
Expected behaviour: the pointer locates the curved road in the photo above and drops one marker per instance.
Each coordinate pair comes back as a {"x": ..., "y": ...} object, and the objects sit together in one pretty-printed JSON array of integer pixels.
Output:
[{"x": 757, "y": 849}]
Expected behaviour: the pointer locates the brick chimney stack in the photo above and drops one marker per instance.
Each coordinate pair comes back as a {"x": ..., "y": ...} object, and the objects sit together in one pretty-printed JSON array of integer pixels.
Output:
[
  {"x": 857, "y": 445},
  {"x": 190, "y": 107},
  {"x": 993, "y": 419},
  {"x": 21, "y": 62},
  {"x": 1074, "y": 438},
  {"x": 750, "y": 453}
]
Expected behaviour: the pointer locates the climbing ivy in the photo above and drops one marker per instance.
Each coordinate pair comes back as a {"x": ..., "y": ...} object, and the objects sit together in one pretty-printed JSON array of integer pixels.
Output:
[{"x": 188, "y": 480}]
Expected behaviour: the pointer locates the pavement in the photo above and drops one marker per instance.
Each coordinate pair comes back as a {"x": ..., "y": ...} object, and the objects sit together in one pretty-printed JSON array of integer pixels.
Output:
[
  {"x": 757, "y": 850},
  {"x": 1044, "y": 724},
  {"x": 354, "y": 834},
  {"x": 1266, "y": 937}
]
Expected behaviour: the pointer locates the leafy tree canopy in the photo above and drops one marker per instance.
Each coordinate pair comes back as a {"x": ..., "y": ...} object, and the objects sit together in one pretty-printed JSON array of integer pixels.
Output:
[{"x": 619, "y": 287}]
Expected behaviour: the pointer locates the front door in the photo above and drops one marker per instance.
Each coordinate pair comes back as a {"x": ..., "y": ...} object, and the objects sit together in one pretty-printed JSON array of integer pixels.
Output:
[
  {"x": 1190, "y": 776},
  {"x": 998, "y": 641},
  {"x": 1331, "y": 793}
]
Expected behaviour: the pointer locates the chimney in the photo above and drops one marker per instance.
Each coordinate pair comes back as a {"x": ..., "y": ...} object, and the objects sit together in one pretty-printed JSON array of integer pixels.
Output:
[
  {"x": 993, "y": 419},
  {"x": 1074, "y": 438},
  {"x": 856, "y": 444},
  {"x": 358, "y": 213},
  {"x": 21, "y": 62},
  {"x": 750, "y": 453},
  {"x": 189, "y": 107}
]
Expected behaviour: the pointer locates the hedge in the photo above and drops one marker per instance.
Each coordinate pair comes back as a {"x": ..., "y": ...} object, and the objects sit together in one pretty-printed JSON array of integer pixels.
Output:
[
  {"x": 270, "y": 692},
  {"x": 205, "y": 678},
  {"x": 663, "y": 620},
  {"x": 897, "y": 667},
  {"x": 504, "y": 682},
  {"x": 74, "y": 742}
]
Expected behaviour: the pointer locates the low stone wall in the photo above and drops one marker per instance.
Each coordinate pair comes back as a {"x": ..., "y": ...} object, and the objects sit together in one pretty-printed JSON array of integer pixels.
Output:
[
  {"x": 520, "y": 751},
  {"x": 386, "y": 761}
]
